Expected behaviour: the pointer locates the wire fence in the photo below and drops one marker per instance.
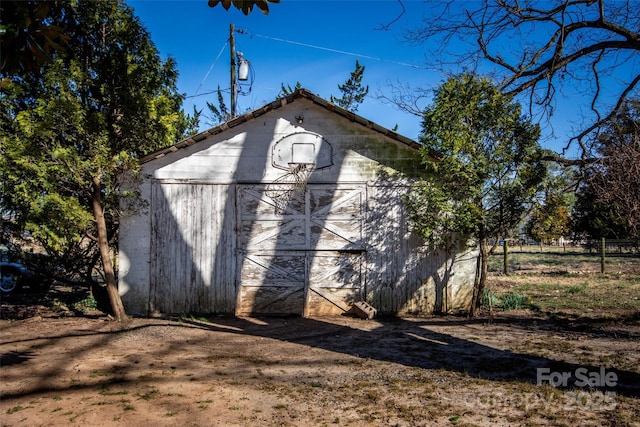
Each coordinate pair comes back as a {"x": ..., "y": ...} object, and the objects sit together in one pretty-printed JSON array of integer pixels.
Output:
[
  {"x": 591, "y": 246},
  {"x": 602, "y": 251}
]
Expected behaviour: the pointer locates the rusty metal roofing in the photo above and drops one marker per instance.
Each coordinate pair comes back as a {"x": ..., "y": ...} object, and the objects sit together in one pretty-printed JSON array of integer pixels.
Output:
[{"x": 280, "y": 102}]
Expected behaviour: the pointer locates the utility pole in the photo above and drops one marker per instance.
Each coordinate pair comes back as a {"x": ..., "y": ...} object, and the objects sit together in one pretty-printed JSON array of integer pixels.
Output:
[{"x": 234, "y": 89}]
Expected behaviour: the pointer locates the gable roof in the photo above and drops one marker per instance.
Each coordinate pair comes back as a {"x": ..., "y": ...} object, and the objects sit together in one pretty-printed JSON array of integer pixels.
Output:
[{"x": 278, "y": 103}]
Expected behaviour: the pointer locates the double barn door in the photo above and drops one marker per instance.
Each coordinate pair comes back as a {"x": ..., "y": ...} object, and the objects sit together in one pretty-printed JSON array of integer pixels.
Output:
[{"x": 302, "y": 256}]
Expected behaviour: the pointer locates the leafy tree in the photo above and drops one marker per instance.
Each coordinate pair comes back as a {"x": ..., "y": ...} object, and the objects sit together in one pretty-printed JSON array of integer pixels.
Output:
[
  {"x": 353, "y": 93},
  {"x": 593, "y": 218},
  {"x": 541, "y": 50},
  {"x": 550, "y": 220},
  {"x": 29, "y": 33},
  {"x": 71, "y": 132},
  {"x": 246, "y": 6},
  {"x": 483, "y": 166},
  {"x": 613, "y": 182}
]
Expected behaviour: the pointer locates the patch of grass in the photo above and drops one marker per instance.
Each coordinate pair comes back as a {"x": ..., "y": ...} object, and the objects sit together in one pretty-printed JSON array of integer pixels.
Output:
[
  {"x": 15, "y": 409},
  {"x": 512, "y": 301},
  {"x": 174, "y": 394},
  {"x": 150, "y": 394},
  {"x": 567, "y": 283},
  {"x": 87, "y": 304},
  {"x": 490, "y": 299},
  {"x": 612, "y": 359},
  {"x": 105, "y": 391},
  {"x": 506, "y": 301},
  {"x": 191, "y": 318},
  {"x": 557, "y": 345},
  {"x": 204, "y": 404},
  {"x": 575, "y": 289}
]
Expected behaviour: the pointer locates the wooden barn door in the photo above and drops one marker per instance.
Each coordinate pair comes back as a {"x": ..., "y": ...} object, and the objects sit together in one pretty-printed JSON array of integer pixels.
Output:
[
  {"x": 304, "y": 258},
  {"x": 192, "y": 237},
  {"x": 336, "y": 223}
]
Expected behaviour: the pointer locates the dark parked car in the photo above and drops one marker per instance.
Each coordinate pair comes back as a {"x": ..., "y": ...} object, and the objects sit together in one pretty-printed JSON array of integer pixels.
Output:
[{"x": 15, "y": 277}]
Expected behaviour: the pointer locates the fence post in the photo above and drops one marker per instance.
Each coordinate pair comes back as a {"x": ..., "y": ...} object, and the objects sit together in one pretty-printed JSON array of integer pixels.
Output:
[
  {"x": 602, "y": 255},
  {"x": 505, "y": 260}
]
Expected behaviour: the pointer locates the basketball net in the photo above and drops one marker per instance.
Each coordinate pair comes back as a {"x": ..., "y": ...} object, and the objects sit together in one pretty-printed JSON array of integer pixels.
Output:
[{"x": 290, "y": 185}]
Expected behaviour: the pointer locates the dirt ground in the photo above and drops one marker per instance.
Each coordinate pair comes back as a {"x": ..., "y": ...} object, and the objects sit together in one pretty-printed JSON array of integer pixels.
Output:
[{"x": 61, "y": 367}]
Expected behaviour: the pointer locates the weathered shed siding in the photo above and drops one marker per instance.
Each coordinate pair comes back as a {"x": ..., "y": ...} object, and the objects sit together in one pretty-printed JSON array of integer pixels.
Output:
[
  {"x": 192, "y": 256},
  {"x": 405, "y": 277},
  {"x": 214, "y": 240}
]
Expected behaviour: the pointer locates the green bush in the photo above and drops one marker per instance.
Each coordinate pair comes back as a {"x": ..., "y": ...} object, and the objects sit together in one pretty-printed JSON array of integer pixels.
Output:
[
  {"x": 87, "y": 304},
  {"x": 509, "y": 301}
]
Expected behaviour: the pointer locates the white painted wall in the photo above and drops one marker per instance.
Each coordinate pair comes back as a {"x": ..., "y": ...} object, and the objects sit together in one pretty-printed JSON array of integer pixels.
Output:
[{"x": 243, "y": 155}]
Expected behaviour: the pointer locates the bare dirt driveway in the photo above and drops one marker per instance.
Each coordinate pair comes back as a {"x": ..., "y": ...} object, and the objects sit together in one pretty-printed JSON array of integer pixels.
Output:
[{"x": 60, "y": 369}]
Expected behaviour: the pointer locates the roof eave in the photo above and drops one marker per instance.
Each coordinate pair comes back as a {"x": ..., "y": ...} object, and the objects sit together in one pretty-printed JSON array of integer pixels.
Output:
[{"x": 278, "y": 103}]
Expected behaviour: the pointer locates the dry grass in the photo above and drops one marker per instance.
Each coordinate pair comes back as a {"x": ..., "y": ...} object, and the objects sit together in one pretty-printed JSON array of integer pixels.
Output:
[{"x": 556, "y": 282}]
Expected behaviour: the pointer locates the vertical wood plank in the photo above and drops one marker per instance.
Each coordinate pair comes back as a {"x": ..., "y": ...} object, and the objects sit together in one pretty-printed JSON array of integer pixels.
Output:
[{"x": 193, "y": 235}]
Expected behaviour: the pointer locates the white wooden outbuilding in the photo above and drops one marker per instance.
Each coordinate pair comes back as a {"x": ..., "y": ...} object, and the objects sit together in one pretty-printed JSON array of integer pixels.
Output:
[{"x": 294, "y": 208}]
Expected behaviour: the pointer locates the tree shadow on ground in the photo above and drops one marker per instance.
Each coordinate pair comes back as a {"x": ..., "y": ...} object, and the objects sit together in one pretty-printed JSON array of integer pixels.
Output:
[
  {"x": 424, "y": 343},
  {"x": 415, "y": 343}
]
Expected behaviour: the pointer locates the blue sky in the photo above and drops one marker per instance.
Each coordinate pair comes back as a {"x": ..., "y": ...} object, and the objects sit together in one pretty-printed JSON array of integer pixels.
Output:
[{"x": 312, "y": 42}]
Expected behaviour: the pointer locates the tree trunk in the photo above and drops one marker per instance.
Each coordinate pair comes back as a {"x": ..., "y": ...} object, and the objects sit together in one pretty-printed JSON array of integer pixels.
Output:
[
  {"x": 481, "y": 279},
  {"x": 476, "y": 285},
  {"x": 105, "y": 255}
]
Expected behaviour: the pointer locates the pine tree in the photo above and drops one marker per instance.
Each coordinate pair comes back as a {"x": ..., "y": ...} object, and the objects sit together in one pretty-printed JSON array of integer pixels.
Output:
[{"x": 353, "y": 93}]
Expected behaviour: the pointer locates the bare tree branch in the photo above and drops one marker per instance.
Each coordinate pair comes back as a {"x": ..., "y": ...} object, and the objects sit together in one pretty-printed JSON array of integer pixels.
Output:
[
  {"x": 622, "y": 99},
  {"x": 541, "y": 51},
  {"x": 617, "y": 175},
  {"x": 407, "y": 99},
  {"x": 386, "y": 27}
]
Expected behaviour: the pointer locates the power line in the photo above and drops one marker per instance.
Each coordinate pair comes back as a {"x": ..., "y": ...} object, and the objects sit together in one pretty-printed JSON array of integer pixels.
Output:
[
  {"x": 404, "y": 64},
  {"x": 210, "y": 68},
  {"x": 343, "y": 52},
  {"x": 225, "y": 90}
]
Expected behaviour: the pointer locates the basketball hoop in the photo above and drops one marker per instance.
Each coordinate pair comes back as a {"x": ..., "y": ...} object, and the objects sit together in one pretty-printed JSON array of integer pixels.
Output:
[{"x": 290, "y": 185}]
